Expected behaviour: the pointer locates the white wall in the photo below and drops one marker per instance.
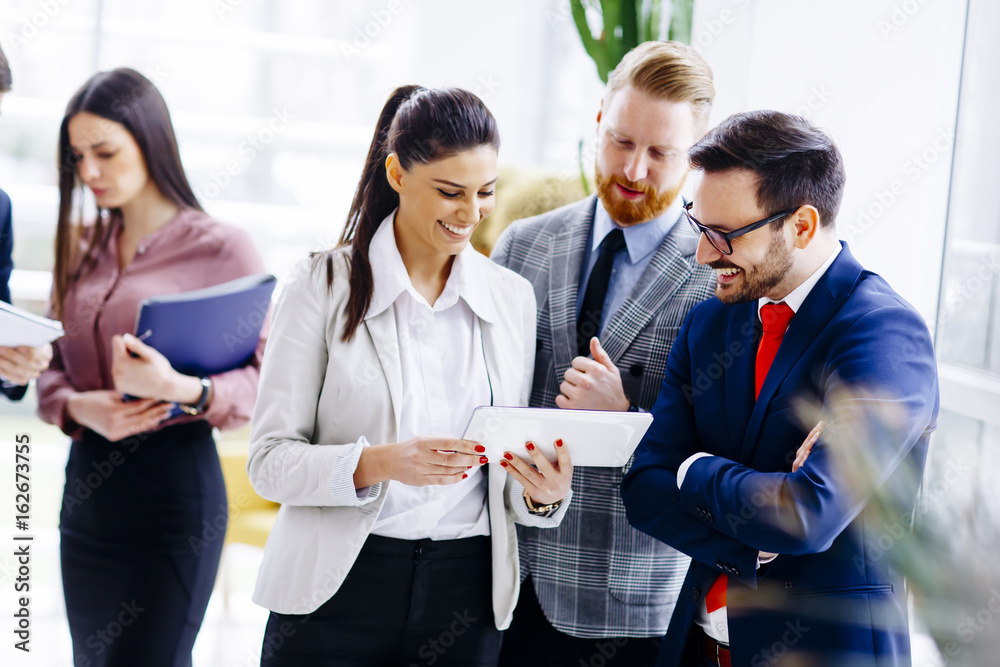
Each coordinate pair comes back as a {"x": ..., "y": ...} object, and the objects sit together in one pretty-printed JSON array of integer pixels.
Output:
[{"x": 882, "y": 77}]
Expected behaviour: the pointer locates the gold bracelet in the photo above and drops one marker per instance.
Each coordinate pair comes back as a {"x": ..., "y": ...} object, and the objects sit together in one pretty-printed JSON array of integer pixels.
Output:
[{"x": 540, "y": 509}]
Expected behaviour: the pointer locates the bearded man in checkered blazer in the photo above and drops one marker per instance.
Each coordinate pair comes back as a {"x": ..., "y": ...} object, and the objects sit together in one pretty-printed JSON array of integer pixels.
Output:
[{"x": 597, "y": 591}]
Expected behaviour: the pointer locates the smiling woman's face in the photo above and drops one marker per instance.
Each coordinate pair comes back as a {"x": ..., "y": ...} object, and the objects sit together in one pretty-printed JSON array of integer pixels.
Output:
[
  {"x": 108, "y": 159},
  {"x": 442, "y": 202}
]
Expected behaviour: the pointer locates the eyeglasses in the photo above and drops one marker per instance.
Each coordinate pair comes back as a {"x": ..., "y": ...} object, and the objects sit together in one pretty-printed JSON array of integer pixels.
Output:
[{"x": 722, "y": 241}]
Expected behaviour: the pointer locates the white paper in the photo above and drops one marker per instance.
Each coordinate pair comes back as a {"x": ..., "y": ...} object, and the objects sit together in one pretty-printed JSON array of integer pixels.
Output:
[
  {"x": 19, "y": 327},
  {"x": 592, "y": 437}
]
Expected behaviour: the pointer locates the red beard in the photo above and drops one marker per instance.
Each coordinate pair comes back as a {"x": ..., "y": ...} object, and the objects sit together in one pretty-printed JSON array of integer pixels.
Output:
[{"x": 627, "y": 213}]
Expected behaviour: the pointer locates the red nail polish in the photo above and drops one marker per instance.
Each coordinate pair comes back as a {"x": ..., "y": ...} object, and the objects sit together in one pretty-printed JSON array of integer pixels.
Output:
[
  {"x": 530, "y": 446},
  {"x": 508, "y": 456},
  {"x": 464, "y": 476},
  {"x": 503, "y": 463},
  {"x": 480, "y": 449},
  {"x": 468, "y": 468},
  {"x": 559, "y": 442},
  {"x": 483, "y": 459}
]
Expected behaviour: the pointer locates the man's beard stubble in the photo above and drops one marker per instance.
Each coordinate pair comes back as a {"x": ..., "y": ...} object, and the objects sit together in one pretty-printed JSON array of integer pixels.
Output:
[
  {"x": 627, "y": 213},
  {"x": 759, "y": 279}
]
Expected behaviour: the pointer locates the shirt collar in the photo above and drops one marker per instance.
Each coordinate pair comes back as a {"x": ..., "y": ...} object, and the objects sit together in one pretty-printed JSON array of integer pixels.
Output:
[
  {"x": 468, "y": 280},
  {"x": 797, "y": 296},
  {"x": 641, "y": 239}
]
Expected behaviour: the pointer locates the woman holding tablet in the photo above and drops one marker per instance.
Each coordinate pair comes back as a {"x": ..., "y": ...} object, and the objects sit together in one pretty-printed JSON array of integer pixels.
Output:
[
  {"x": 395, "y": 542},
  {"x": 140, "y": 490}
]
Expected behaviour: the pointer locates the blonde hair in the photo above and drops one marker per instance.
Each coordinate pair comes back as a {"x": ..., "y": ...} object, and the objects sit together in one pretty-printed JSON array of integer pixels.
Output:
[{"x": 668, "y": 70}]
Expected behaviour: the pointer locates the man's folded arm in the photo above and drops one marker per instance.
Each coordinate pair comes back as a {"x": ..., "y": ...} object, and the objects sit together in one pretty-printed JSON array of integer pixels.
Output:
[
  {"x": 881, "y": 386},
  {"x": 649, "y": 489}
]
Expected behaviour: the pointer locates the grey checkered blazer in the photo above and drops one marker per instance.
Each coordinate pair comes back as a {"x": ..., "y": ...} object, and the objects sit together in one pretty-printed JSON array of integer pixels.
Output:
[{"x": 595, "y": 575}]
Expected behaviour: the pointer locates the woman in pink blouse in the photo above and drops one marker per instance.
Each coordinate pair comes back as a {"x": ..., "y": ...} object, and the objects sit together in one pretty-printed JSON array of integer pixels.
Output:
[{"x": 144, "y": 507}]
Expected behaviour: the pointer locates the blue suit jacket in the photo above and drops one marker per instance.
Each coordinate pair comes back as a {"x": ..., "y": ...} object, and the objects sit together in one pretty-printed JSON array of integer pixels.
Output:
[
  {"x": 13, "y": 392},
  {"x": 831, "y": 596}
]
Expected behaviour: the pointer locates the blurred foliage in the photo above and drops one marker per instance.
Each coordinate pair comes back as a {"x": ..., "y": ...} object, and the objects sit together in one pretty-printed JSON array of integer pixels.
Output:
[
  {"x": 624, "y": 24},
  {"x": 521, "y": 193},
  {"x": 941, "y": 544}
]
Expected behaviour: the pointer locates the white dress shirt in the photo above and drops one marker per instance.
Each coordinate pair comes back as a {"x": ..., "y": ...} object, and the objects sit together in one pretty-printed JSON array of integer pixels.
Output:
[
  {"x": 716, "y": 624},
  {"x": 444, "y": 378}
]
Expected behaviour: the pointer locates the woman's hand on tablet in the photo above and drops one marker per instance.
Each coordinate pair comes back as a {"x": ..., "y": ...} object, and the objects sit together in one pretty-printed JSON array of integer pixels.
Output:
[
  {"x": 545, "y": 482},
  {"x": 420, "y": 461}
]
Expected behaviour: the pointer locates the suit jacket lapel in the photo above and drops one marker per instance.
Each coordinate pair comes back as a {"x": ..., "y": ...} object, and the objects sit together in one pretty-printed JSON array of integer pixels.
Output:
[
  {"x": 819, "y": 308},
  {"x": 382, "y": 329},
  {"x": 505, "y": 380},
  {"x": 568, "y": 249},
  {"x": 739, "y": 379},
  {"x": 671, "y": 265}
]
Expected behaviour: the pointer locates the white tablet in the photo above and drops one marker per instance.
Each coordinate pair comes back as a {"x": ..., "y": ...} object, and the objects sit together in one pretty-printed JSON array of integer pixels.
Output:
[{"x": 593, "y": 437}]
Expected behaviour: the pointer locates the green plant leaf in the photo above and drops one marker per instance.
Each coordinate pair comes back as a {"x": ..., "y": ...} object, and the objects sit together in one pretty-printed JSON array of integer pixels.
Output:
[
  {"x": 594, "y": 48},
  {"x": 680, "y": 21},
  {"x": 650, "y": 29},
  {"x": 628, "y": 16}
]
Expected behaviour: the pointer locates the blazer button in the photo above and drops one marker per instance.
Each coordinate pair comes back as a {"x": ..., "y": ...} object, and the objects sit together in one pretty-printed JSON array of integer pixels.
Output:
[
  {"x": 709, "y": 518},
  {"x": 695, "y": 594},
  {"x": 736, "y": 571},
  {"x": 635, "y": 370}
]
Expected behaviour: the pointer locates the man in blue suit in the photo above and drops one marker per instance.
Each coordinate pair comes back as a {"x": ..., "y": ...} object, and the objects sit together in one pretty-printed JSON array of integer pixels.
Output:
[
  {"x": 18, "y": 366},
  {"x": 786, "y": 564}
]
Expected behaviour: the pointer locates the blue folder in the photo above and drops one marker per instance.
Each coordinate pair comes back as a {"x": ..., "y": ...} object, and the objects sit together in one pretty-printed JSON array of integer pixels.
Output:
[{"x": 207, "y": 331}]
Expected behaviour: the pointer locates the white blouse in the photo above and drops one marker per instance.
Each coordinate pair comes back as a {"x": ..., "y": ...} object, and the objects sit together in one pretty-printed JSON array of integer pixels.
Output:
[{"x": 444, "y": 378}]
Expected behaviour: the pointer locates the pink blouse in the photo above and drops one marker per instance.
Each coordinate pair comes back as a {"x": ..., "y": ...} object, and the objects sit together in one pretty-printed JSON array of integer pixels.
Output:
[{"x": 189, "y": 252}]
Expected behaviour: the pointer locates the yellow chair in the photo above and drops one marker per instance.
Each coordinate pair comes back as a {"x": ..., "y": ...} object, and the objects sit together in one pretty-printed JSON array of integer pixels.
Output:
[{"x": 250, "y": 516}]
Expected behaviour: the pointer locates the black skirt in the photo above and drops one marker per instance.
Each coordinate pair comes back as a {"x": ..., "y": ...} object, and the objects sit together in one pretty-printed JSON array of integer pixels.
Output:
[{"x": 142, "y": 528}]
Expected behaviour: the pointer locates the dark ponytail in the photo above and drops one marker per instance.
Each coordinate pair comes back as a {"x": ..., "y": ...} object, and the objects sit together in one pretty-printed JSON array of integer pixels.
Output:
[{"x": 420, "y": 126}]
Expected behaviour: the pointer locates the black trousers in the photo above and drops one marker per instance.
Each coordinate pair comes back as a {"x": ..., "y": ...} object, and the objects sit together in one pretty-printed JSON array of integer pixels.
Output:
[
  {"x": 404, "y": 603},
  {"x": 141, "y": 532},
  {"x": 531, "y": 641}
]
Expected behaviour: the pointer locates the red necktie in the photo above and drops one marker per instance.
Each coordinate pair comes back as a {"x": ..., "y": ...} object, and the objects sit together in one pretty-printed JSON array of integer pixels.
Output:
[{"x": 775, "y": 318}]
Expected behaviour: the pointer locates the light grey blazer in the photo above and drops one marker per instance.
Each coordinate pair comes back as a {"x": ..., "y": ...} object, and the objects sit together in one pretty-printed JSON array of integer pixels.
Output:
[
  {"x": 597, "y": 576},
  {"x": 319, "y": 397}
]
